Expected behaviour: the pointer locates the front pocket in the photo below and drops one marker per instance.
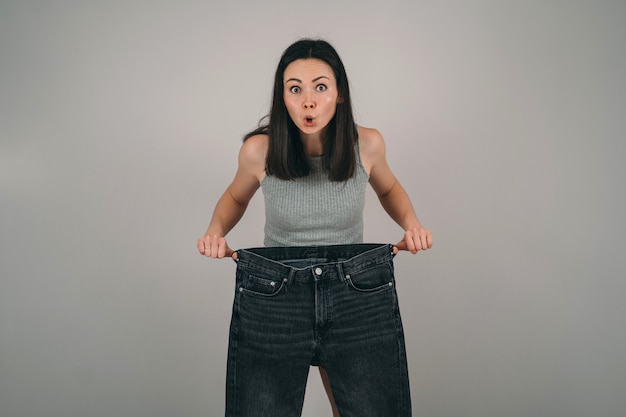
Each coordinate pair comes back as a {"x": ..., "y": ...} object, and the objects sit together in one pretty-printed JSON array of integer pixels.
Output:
[
  {"x": 377, "y": 278},
  {"x": 263, "y": 287}
]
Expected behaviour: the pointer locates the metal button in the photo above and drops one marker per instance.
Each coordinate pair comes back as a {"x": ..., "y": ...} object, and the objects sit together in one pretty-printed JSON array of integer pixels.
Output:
[{"x": 318, "y": 271}]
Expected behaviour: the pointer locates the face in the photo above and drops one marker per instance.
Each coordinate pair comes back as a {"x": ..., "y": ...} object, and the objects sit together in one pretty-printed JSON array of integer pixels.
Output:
[{"x": 310, "y": 94}]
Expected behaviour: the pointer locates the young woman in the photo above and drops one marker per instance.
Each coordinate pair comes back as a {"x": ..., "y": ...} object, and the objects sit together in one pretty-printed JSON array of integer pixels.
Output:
[{"x": 315, "y": 294}]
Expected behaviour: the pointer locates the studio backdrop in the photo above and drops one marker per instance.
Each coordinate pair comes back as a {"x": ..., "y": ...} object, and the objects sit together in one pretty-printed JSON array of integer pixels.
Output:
[{"x": 120, "y": 124}]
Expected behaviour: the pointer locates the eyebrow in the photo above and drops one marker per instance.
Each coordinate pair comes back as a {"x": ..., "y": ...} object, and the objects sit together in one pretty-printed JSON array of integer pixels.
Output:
[{"x": 314, "y": 80}]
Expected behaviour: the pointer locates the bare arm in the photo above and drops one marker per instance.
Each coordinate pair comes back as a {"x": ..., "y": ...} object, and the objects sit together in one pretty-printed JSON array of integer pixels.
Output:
[
  {"x": 391, "y": 194},
  {"x": 233, "y": 203}
]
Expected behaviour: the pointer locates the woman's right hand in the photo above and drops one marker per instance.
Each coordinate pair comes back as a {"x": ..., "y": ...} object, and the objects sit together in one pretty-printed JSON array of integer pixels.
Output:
[{"x": 214, "y": 246}]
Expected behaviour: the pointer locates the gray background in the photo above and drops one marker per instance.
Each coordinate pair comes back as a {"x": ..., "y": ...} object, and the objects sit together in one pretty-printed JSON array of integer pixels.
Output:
[{"x": 120, "y": 123}]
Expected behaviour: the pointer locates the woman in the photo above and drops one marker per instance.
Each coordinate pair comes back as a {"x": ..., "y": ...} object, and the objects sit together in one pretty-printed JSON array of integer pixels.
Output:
[{"x": 315, "y": 294}]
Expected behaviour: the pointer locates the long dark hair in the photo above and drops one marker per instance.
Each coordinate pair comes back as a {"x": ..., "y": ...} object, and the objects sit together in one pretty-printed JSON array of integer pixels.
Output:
[{"x": 285, "y": 156}]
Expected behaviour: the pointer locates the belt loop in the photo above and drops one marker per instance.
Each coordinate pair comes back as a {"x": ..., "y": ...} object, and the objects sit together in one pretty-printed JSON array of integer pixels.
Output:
[
  {"x": 288, "y": 280},
  {"x": 340, "y": 271}
]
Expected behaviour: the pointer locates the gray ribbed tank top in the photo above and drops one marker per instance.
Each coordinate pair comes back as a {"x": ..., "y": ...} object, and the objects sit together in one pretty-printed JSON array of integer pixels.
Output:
[{"x": 313, "y": 210}]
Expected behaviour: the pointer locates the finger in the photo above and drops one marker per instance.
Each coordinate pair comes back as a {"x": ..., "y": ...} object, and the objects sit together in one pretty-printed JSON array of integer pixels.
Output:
[
  {"x": 206, "y": 246},
  {"x": 426, "y": 240},
  {"x": 227, "y": 250},
  {"x": 407, "y": 244},
  {"x": 401, "y": 245},
  {"x": 412, "y": 243},
  {"x": 215, "y": 247},
  {"x": 200, "y": 245},
  {"x": 418, "y": 244},
  {"x": 221, "y": 248}
]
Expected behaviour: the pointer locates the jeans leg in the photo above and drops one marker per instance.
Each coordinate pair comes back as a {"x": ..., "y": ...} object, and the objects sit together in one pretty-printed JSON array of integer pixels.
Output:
[
  {"x": 270, "y": 347},
  {"x": 364, "y": 350}
]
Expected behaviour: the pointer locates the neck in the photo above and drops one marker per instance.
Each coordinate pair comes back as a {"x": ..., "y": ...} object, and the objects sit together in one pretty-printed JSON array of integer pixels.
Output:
[{"x": 313, "y": 143}]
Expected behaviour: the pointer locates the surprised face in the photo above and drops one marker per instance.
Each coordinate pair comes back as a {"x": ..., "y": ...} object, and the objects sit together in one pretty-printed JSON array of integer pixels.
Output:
[{"x": 310, "y": 95}]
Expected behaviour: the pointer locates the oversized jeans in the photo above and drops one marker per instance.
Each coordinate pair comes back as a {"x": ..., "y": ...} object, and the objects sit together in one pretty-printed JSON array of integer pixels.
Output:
[{"x": 329, "y": 306}]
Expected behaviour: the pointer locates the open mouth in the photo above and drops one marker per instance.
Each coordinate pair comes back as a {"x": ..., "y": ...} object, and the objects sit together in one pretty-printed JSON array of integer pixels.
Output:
[{"x": 308, "y": 121}]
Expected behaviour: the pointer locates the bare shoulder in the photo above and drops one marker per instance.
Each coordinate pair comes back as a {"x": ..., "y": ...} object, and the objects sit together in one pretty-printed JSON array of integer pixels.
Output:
[
  {"x": 253, "y": 154},
  {"x": 254, "y": 150},
  {"x": 255, "y": 147},
  {"x": 372, "y": 147}
]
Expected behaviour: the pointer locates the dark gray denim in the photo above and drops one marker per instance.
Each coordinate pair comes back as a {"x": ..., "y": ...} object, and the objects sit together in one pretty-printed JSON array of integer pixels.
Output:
[{"x": 330, "y": 306}]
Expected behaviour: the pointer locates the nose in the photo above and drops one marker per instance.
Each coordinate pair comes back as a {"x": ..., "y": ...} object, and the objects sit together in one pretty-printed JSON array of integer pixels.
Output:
[{"x": 308, "y": 102}]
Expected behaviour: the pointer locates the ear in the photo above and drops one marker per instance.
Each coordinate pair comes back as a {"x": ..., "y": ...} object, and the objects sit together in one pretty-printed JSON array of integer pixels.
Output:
[{"x": 339, "y": 100}]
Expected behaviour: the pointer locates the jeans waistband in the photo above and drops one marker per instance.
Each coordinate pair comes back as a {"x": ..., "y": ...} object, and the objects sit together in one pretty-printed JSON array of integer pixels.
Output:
[{"x": 300, "y": 260}]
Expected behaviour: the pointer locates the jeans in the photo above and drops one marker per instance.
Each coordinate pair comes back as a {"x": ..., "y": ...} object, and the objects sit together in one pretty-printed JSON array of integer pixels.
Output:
[{"x": 330, "y": 306}]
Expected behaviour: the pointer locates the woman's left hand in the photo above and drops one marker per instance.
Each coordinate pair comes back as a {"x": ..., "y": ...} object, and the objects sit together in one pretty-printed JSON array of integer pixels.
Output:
[{"x": 416, "y": 239}]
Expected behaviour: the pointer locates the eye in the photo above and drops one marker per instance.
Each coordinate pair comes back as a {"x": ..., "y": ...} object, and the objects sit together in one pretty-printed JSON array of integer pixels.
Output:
[
  {"x": 294, "y": 89},
  {"x": 321, "y": 87}
]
